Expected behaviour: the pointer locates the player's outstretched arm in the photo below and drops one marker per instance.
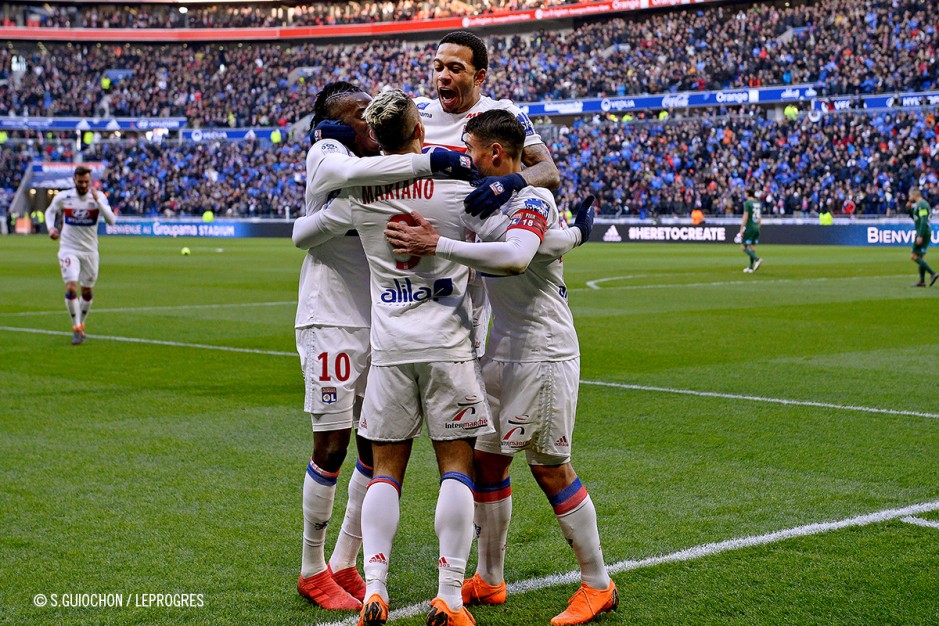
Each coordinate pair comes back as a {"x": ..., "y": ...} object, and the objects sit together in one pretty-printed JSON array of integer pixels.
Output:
[
  {"x": 501, "y": 258},
  {"x": 313, "y": 230},
  {"x": 333, "y": 170}
]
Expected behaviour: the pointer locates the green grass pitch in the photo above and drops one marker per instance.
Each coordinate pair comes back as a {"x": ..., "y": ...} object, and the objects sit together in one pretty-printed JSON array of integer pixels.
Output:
[{"x": 160, "y": 468}]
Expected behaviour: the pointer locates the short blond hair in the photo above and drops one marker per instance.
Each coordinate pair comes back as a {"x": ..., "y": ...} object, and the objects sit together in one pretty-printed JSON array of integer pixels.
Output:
[{"x": 389, "y": 116}]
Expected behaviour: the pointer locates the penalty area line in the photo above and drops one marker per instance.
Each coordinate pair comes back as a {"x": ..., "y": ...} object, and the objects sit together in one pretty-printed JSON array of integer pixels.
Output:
[
  {"x": 785, "y": 401},
  {"x": 689, "y": 554},
  {"x": 156, "y": 342}
]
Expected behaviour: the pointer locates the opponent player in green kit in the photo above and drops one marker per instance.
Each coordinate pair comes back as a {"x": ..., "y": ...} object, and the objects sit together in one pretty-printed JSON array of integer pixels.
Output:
[
  {"x": 919, "y": 211},
  {"x": 749, "y": 234}
]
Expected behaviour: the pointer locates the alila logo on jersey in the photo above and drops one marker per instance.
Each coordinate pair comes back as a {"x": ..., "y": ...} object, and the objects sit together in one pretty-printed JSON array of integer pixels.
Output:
[{"x": 404, "y": 292}]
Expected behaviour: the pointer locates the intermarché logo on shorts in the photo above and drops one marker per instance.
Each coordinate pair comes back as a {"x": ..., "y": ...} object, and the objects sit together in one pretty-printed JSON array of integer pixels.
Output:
[{"x": 119, "y": 600}]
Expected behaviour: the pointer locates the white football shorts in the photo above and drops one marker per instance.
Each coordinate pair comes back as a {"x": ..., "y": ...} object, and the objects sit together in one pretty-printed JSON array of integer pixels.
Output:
[
  {"x": 533, "y": 406},
  {"x": 334, "y": 361},
  {"x": 449, "y": 396},
  {"x": 81, "y": 268}
]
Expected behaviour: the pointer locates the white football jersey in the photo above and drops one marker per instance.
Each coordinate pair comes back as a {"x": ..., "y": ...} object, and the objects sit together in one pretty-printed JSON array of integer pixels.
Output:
[
  {"x": 80, "y": 215},
  {"x": 420, "y": 309},
  {"x": 446, "y": 129},
  {"x": 531, "y": 317},
  {"x": 334, "y": 276}
]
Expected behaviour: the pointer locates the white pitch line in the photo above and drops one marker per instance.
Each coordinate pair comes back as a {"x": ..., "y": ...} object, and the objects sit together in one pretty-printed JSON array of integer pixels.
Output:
[
  {"x": 918, "y": 521},
  {"x": 689, "y": 554},
  {"x": 593, "y": 284},
  {"x": 733, "y": 396},
  {"x": 158, "y": 342},
  {"x": 687, "y": 392},
  {"x": 181, "y": 307},
  {"x": 726, "y": 283}
]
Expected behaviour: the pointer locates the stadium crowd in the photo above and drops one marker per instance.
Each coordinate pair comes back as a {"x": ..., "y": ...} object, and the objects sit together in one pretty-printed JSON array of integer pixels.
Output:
[
  {"x": 255, "y": 15},
  {"x": 850, "y": 163},
  {"x": 841, "y": 46},
  {"x": 244, "y": 179}
]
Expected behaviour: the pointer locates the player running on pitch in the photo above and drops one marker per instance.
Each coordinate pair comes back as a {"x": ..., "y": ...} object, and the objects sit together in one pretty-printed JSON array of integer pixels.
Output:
[
  {"x": 531, "y": 372},
  {"x": 81, "y": 207}
]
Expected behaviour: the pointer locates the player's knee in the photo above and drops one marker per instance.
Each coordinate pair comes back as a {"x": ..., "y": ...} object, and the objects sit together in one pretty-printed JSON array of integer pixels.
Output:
[
  {"x": 491, "y": 468},
  {"x": 329, "y": 449},
  {"x": 364, "y": 448},
  {"x": 553, "y": 478}
]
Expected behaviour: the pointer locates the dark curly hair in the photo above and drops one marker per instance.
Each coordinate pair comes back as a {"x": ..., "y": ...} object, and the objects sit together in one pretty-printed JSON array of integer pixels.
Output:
[{"x": 331, "y": 93}]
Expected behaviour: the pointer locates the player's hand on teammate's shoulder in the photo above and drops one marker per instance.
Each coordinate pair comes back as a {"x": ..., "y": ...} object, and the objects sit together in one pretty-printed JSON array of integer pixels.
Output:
[
  {"x": 453, "y": 164},
  {"x": 492, "y": 193},
  {"x": 414, "y": 237}
]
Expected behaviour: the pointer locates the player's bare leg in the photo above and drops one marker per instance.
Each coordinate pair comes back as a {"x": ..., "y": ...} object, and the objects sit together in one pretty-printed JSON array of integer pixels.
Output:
[
  {"x": 453, "y": 522},
  {"x": 578, "y": 519},
  {"x": 380, "y": 514},
  {"x": 319, "y": 490},
  {"x": 492, "y": 514}
]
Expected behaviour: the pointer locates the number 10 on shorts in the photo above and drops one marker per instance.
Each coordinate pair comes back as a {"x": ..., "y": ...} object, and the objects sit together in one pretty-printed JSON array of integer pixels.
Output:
[{"x": 342, "y": 367}]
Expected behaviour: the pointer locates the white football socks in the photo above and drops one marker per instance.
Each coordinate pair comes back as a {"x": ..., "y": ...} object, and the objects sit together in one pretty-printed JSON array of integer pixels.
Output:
[
  {"x": 492, "y": 523},
  {"x": 319, "y": 491},
  {"x": 74, "y": 311},
  {"x": 85, "y": 307},
  {"x": 350, "y": 535},
  {"x": 580, "y": 529},
  {"x": 380, "y": 515},
  {"x": 453, "y": 522}
]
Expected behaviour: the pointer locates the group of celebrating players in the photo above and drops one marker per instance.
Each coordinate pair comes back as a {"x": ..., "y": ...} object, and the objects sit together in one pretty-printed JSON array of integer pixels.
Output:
[{"x": 405, "y": 261}]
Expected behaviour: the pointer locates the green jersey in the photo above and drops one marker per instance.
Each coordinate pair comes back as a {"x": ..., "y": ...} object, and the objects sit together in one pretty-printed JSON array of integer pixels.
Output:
[
  {"x": 920, "y": 215},
  {"x": 754, "y": 211}
]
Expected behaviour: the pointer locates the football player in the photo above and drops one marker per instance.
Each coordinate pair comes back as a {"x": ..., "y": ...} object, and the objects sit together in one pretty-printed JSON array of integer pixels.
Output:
[{"x": 79, "y": 209}]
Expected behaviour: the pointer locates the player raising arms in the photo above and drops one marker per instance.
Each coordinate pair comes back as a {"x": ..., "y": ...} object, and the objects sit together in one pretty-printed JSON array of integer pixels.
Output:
[
  {"x": 531, "y": 372},
  {"x": 78, "y": 249},
  {"x": 332, "y": 328}
]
